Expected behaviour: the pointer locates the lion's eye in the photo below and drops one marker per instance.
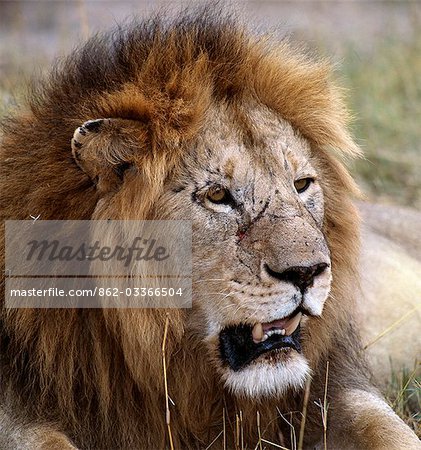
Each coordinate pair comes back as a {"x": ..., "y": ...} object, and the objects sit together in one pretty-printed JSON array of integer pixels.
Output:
[
  {"x": 302, "y": 184},
  {"x": 218, "y": 194}
]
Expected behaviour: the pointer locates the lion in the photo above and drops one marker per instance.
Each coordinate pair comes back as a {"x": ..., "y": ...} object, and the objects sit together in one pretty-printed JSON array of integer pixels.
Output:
[
  {"x": 391, "y": 310},
  {"x": 196, "y": 119}
]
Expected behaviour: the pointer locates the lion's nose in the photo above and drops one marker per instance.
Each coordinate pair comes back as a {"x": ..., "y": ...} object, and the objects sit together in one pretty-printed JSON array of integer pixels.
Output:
[{"x": 300, "y": 276}]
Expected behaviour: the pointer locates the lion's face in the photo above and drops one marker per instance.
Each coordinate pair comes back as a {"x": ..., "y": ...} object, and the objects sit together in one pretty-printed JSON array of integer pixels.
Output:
[{"x": 261, "y": 262}]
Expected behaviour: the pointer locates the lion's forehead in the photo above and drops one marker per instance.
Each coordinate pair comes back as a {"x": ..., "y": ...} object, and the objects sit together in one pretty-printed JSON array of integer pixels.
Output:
[{"x": 254, "y": 145}]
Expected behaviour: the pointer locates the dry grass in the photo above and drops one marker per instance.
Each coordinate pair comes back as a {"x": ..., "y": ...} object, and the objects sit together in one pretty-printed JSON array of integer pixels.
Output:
[
  {"x": 404, "y": 395},
  {"x": 303, "y": 421},
  {"x": 167, "y": 398}
]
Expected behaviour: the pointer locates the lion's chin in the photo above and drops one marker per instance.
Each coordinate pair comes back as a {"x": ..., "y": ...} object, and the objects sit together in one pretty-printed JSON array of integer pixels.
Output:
[{"x": 268, "y": 377}]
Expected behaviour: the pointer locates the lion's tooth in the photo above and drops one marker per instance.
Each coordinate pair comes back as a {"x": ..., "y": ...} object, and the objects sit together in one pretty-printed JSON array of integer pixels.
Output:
[
  {"x": 293, "y": 324},
  {"x": 257, "y": 333},
  {"x": 275, "y": 331},
  {"x": 283, "y": 332},
  {"x": 265, "y": 336}
]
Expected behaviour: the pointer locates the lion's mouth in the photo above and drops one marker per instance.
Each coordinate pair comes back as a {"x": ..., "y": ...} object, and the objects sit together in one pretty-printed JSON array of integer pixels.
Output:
[{"x": 241, "y": 344}]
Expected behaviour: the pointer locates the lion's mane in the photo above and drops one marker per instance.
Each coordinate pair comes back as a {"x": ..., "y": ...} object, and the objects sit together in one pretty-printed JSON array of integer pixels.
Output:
[{"x": 70, "y": 367}]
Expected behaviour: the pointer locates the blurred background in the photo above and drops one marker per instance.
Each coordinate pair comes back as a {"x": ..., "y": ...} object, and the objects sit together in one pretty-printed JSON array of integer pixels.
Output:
[{"x": 376, "y": 46}]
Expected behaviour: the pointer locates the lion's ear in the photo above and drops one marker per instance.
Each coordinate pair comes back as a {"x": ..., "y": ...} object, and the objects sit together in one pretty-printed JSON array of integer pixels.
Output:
[{"x": 101, "y": 149}]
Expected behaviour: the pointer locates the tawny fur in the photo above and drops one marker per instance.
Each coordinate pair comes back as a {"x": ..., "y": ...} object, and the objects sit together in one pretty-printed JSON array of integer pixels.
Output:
[
  {"x": 390, "y": 299},
  {"x": 98, "y": 378}
]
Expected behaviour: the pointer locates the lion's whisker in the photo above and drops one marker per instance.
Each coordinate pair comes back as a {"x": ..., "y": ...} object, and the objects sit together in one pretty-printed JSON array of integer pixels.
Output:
[{"x": 209, "y": 279}]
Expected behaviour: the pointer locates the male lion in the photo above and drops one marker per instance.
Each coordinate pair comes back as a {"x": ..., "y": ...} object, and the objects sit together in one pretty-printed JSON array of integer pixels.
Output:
[{"x": 195, "y": 120}]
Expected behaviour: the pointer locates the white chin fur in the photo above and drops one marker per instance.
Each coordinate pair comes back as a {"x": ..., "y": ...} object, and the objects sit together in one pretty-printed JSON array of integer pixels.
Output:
[{"x": 262, "y": 379}]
